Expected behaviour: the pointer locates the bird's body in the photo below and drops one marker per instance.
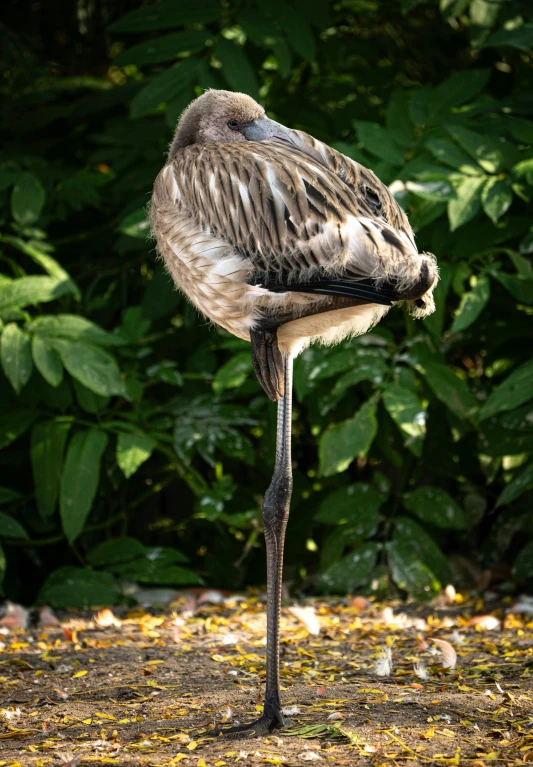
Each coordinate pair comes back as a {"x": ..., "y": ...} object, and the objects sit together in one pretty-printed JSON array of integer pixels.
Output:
[{"x": 282, "y": 241}]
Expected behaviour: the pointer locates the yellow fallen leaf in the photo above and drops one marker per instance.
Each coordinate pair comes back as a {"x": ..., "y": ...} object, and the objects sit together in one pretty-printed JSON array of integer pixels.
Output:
[
  {"x": 429, "y": 733},
  {"x": 78, "y": 674},
  {"x": 192, "y": 745},
  {"x": 105, "y": 716},
  {"x": 201, "y": 763}
]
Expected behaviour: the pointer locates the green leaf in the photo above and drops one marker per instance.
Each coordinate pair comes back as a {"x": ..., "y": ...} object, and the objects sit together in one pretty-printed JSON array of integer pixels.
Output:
[
  {"x": 350, "y": 572},
  {"x": 466, "y": 203},
  {"x": 11, "y": 528},
  {"x": 115, "y": 551},
  {"x": 446, "y": 386},
  {"x": 343, "y": 442},
  {"x": 16, "y": 357},
  {"x": 166, "y": 15},
  {"x": 459, "y": 88},
  {"x": 523, "y": 566},
  {"x": 520, "y": 484},
  {"x": 7, "y": 495},
  {"x": 48, "y": 439},
  {"x": 357, "y": 505},
  {"x": 136, "y": 224},
  {"x": 297, "y": 31},
  {"x": 88, "y": 400},
  {"x": 417, "y": 564},
  {"x": 496, "y": 197},
  {"x": 13, "y": 423},
  {"x": 31, "y": 290},
  {"x": 407, "y": 412},
  {"x": 481, "y": 147},
  {"x": 163, "y": 48},
  {"x": 78, "y": 587},
  {"x": 75, "y": 328},
  {"x": 398, "y": 122},
  {"x": 47, "y": 361},
  {"x": 472, "y": 303},
  {"x": 132, "y": 451},
  {"x": 236, "y": 68},
  {"x": 521, "y": 288},
  {"x": 163, "y": 88},
  {"x": 451, "y": 155},
  {"x": 27, "y": 199},
  {"x": 520, "y": 37},
  {"x": 436, "y": 507},
  {"x": 515, "y": 390},
  {"x": 438, "y": 190},
  {"x": 379, "y": 141},
  {"x": 79, "y": 480},
  {"x": 157, "y": 566},
  {"x": 451, "y": 9},
  {"x": 233, "y": 373},
  {"x": 93, "y": 367}
]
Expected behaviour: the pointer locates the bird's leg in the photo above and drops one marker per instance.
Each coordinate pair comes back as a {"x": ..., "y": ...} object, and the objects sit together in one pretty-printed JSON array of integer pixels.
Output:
[{"x": 275, "y": 516}]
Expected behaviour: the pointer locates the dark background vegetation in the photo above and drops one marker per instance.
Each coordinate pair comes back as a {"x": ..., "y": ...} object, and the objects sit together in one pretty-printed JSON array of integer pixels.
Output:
[{"x": 135, "y": 441}]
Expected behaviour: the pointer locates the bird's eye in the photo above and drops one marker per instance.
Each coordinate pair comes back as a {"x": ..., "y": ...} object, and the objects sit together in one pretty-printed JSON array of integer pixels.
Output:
[{"x": 233, "y": 124}]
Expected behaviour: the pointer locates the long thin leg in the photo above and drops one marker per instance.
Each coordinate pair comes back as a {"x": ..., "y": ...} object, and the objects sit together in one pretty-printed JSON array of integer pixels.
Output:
[{"x": 275, "y": 516}]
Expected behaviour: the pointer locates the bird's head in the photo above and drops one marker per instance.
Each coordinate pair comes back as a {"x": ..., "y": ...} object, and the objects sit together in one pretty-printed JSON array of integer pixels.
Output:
[{"x": 225, "y": 116}]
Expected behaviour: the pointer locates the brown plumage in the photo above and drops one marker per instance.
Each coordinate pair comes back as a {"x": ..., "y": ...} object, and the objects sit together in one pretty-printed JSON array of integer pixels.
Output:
[{"x": 283, "y": 241}]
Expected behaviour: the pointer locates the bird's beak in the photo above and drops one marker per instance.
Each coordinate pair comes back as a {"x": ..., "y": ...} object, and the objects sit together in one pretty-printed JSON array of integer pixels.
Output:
[{"x": 265, "y": 129}]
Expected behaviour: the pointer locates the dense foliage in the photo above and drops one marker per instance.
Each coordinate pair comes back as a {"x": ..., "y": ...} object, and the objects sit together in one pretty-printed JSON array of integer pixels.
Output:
[{"x": 135, "y": 441}]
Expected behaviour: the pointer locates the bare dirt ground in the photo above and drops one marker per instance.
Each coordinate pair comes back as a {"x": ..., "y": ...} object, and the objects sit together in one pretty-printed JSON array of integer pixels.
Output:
[{"x": 149, "y": 689}]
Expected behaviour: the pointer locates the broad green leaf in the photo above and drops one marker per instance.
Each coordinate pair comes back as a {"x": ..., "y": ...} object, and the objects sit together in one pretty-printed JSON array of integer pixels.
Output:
[
  {"x": 233, "y": 373},
  {"x": 13, "y": 423},
  {"x": 466, "y": 203},
  {"x": 459, "y": 88},
  {"x": 39, "y": 252},
  {"x": 48, "y": 439},
  {"x": 523, "y": 565},
  {"x": 514, "y": 391},
  {"x": 522, "y": 130},
  {"x": 496, "y": 197},
  {"x": 435, "y": 506},
  {"x": 93, "y": 367},
  {"x": 16, "y": 357},
  {"x": 11, "y": 528},
  {"x": 79, "y": 480},
  {"x": 524, "y": 167},
  {"x": 89, "y": 400},
  {"x": 518, "y": 286},
  {"x": 47, "y": 361},
  {"x": 298, "y": 31},
  {"x": 398, "y": 122},
  {"x": 31, "y": 290},
  {"x": 157, "y": 566},
  {"x": 379, "y": 141},
  {"x": 114, "y": 551},
  {"x": 451, "y": 9},
  {"x": 166, "y": 15},
  {"x": 406, "y": 410},
  {"x": 163, "y": 48},
  {"x": 163, "y": 87},
  {"x": 472, "y": 303},
  {"x": 520, "y": 484},
  {"x": 236, "y": 68},
  {"x": 446, "y": 386},
  {"x": 350, "y": 572},
  {"x": 132, "y": 451},
  {"x": 27, "y": 199},
  {"x": 520, "y": 37},
  {"x": 451, "y": 155},
  {"x": 7, "y": 495},
  {"x": 356, "y": 505},
  {"x": 343, "y": 442},
  {"x": 75, "y": 328},
  {"x": 136, "y": 224},
  {"x": 78, "y": 587},
  {"x": 481, "y": 147},
  {"x": 417, "y": 563},
  {"x": 438, "y": 190}
]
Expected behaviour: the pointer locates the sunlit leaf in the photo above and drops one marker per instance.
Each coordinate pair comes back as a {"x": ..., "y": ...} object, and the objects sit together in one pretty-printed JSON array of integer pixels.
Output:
[
  {"x": 132, "y": 451},
  {"x": 47, "y": 361},
  {"x": 163, "y": 48},
  {"x": 496, "y": 197},
  {"x": 434, "y": 506},
  {"x": 93, "y": 367},
  {"x": 472, "y": 304},
  {"x": 350, "y": 572},
  {"x": 516, "y": 389},
  {"x": 406, "y": 410},
  {"x": 27, "y": 199},
  {"x": 343, "y": 442},
  {"x": 466, "y": 203},
  {"x": 379, "y": 141},
  {"x": 520, "y": 484}
]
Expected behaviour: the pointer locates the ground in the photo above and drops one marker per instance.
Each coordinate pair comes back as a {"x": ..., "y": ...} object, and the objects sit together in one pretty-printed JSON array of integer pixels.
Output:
[{"x": 146, "y": 687}]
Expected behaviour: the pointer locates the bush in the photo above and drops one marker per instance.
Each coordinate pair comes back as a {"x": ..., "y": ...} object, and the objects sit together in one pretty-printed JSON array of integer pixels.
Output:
[{"x": 124, "y": 417}]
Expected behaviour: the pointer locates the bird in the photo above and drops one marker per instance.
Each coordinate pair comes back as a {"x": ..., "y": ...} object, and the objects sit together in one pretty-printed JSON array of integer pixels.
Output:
[{"x": 283, "y": 241}]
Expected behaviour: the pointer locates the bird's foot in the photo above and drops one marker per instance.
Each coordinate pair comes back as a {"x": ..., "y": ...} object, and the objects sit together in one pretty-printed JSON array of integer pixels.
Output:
[{"x": 271, "y": 719}]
